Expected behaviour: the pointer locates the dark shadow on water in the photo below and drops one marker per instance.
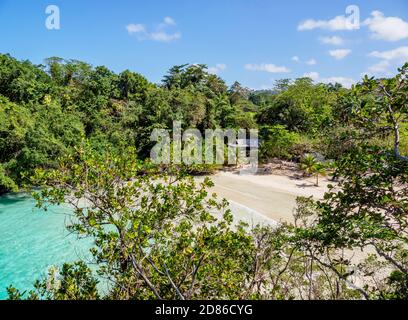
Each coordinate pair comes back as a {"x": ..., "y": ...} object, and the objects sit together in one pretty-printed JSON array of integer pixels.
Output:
[{"x": 13, "y": 198}]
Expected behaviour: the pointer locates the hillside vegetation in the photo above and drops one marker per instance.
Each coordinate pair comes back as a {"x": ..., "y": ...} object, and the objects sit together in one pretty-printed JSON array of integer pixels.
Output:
[{"x": 48, "y": 110}]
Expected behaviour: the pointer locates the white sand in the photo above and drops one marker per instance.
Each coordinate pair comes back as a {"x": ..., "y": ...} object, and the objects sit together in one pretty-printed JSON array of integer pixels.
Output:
[{"x": 270, "y": 196}]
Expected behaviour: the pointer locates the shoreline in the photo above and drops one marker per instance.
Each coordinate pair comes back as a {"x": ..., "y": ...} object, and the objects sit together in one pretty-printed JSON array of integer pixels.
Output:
[{"x": 265, "y": 197}]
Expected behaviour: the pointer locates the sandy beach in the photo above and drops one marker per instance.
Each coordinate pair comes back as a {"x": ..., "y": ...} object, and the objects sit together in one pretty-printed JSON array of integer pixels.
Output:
[{"x": 272, "y": 196}]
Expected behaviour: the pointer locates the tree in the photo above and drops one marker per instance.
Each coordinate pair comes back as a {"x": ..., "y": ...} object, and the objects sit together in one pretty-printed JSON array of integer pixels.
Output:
[
  {"x": 308, "y": 164},
  {"x": 320, "y": 170},
  {"x": 155, "y": 235},
  {"x": 367, "y": 211},
  {"x": 190, "y": 75},
  {"x": 23, "y": 82},
  {"x": 56, "y": 69},
  {"x": 6, "y": 183},
  {"x": 71, "y": 282},
  {"x": 302, "y": 107},
  {"x": 311, "y": 166},
  {"x": 237, "y": 92},
  {"x": 161, "y": 236},
  {"x": 132, "y": 85},
  {"x": 390, "y": 104},
  {"x": 281, "y": 85},
  {"x": 276, "y": 142}
]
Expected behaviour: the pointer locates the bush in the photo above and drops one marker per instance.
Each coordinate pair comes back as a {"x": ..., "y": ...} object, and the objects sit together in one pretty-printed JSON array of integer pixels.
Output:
[
  {"x": 277, "y": 142},
  {"x": 6, "y": 183}
]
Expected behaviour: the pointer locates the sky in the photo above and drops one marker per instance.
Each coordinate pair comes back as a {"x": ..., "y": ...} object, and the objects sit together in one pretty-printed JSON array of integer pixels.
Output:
[{"x": 254, "y": 42}]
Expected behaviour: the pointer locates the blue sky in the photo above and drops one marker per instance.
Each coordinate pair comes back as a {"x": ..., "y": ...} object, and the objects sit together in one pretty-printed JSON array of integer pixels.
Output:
[{"x": 252, "y": 41}]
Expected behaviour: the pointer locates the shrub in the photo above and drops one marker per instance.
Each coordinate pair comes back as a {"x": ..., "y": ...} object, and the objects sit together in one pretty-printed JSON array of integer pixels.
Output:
[{"x": 277, "y": 142}]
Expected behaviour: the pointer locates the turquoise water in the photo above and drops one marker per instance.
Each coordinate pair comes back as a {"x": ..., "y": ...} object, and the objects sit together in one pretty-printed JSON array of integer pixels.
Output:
[{"x": 32, "y": 240}]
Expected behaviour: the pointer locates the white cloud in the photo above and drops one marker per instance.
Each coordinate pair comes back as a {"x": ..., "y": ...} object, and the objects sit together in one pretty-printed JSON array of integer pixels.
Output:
[
  {"x": 389, "y": 60},
  {"x": 164, "y": 36},
  {"x": 135, "y": 28},
  {"x": 339, "y": 53},
  {"x": 334, "y": 40},
  {"x": 380, "y": 26},
  {"x": 311, "y": 62},
  {"x": 267, "y": 67},
  {"x": 295, "y": 58},
  {"x": 169, "y": 21},
  {"x": 160, "y": 34},
  {"x": 335, "y": 24},
  {"x": 219, "y": 67},
  {"x": 386, "y": 28},
  {"x": 344, "y": 81},
  {"x": 380, "y": 68},
  {"x": 312, "y": 75},
  {"x": 399, "y": 54}
]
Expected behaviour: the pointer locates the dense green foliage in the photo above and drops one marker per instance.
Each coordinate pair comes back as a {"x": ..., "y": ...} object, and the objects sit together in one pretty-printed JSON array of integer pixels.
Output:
[
  {"x": 160, "y": 235},
  {"x": 83, "y": 133},
  {"x": 47, "y": 110}
]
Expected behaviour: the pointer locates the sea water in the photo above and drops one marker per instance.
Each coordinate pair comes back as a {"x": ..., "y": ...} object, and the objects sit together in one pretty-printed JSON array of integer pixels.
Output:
[{"x": 32, "y": 240}]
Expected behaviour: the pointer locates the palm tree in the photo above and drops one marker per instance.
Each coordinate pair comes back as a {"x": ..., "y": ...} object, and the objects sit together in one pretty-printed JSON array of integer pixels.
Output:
[
  {"x": 320, "y": 169},
  {"x": 308, "y": 164}
]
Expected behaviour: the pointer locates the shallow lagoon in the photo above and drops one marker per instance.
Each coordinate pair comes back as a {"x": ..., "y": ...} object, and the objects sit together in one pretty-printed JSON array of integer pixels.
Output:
[{"x": 32, "y": 240}]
